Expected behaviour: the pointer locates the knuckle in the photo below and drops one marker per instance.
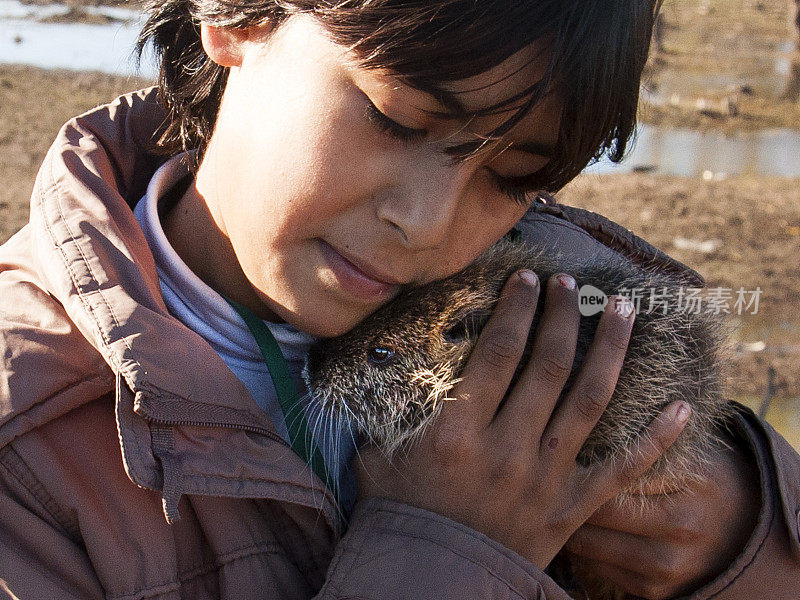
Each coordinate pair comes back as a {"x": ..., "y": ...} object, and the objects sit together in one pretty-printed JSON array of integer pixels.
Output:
[
  {"x": 647, "y": 450},
  {"x": 519, "y": 296},
  {"x": 592, "y": 404},
  {"x": 653, "y": 590},
  {"x": 628, "y": 471},
  {"x": 567, "y": 519},
  {"x": 615, "y": 334},
  {"x": 554, "y": 370},
  {"x": 576, "y": 545},
  {"x": 669, "y": 567},
  {"x": 452, "y": 445},
  {"x": 507, "y": 451},
  {"x": 684, "y": 525},
  {"x": 506, "y": 471},
  {"x": 655, "y": 444},
  {"x": 499, "y": 349}
]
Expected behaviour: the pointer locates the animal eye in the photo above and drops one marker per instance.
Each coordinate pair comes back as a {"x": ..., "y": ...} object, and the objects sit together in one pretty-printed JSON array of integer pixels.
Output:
[{"x": 379, "y": 356}]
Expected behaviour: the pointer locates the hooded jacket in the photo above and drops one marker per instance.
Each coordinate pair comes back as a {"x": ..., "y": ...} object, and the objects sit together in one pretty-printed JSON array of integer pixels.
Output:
[{"x": 134, "y": 464}]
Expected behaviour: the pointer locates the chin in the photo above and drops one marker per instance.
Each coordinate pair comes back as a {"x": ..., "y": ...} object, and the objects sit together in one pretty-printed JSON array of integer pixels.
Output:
[
  {"x": 322, "y": 325},
  {"x": 328, "y": 328},
  {"x": 323, "y": 319}
]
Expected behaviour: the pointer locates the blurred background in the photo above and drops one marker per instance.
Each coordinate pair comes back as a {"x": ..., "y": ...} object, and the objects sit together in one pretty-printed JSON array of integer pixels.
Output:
[{"x": 712, "y": 179}]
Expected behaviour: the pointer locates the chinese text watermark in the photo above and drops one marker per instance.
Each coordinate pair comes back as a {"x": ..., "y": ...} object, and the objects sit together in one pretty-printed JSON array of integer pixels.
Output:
[{"x": 715, "y": 300}]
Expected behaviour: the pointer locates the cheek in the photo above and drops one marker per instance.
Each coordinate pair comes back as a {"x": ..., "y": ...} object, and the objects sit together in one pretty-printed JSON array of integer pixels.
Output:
[{"x": 478, "y": 227}]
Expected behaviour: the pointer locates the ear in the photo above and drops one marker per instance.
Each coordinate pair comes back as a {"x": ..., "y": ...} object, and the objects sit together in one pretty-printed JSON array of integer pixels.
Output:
[{"x": 224, "y": 45}]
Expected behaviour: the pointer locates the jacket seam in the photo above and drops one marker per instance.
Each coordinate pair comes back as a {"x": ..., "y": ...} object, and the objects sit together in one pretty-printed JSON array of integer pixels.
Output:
[
  {"x": 472, "y": 535},
  {"x": 202, "y": 477},
  {"x": 187, "y": 576},
  {"x": 103, "y": 333},
  {"x": 100, "y": 378},
  {"x": 463, "y": 529},
  {"x": 560, "y": 222},
  {"x": 126, "y": 456},
  {"x": 750, "y": 562},
  {"x": 353, "y": 558},
  {"x": 14, "y": 465},
  {"x": 745, "y": 433}
]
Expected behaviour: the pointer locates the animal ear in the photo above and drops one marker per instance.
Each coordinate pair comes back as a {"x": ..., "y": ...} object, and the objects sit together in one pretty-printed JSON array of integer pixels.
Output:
[{"x": 466, "y": 327}]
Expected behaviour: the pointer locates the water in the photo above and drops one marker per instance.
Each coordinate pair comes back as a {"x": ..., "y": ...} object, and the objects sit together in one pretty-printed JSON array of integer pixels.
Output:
[
  {"x": 689, "y": 153},
  {"x": 76, "y": 46}
]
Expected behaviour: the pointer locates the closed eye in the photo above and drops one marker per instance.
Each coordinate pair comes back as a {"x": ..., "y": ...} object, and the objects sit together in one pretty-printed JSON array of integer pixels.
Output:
[
  {"x": 391, "y": 127},
  {"x": 521, "y": 190}
]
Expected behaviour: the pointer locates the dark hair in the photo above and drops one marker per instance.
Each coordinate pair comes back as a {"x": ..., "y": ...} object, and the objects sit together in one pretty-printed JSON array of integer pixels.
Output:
[{"x": 598, "y": 50}]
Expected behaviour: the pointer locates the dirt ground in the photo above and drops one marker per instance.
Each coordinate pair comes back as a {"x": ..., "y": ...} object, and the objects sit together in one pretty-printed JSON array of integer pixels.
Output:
[
  {"x": 34, "y": 103},
  {"x": 720, "y": 64}
]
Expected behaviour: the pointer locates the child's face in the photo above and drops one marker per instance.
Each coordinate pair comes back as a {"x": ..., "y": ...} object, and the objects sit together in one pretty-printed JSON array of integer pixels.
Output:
[{"x": 328, "y": 210}]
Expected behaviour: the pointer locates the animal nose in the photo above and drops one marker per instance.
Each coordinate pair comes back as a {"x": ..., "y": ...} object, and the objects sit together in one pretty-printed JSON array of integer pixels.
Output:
[{"x": 423, "y": 205}]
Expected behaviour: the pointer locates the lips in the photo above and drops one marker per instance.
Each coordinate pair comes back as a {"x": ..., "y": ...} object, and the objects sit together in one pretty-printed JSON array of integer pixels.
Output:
[{"x": 359, "y": 279}]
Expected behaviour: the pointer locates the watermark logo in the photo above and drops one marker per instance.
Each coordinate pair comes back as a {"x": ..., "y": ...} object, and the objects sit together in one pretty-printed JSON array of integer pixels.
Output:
[
  {"x": 715, "y": 300},
  {"x": 591, "y": 300}
]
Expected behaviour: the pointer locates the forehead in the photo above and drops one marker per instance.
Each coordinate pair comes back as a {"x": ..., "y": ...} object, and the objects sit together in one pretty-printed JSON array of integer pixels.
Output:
[
  {"x": 470, "y": 95},
  {"x": 459, "y": 100},
  {"x": 502, "y": 82}
]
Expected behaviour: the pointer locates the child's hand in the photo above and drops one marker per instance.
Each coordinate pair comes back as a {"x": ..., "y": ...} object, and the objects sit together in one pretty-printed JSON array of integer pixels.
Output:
[
  {"x": 508, "y": 469},
  {"x": 677, "y": 542}
]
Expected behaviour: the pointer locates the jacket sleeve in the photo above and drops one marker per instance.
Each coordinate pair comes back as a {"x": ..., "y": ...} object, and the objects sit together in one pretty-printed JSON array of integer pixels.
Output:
[
  {"x": 399, "y": 552},
  {"x": 38, "y": 557},
  {"x": 769, "y": 565}
]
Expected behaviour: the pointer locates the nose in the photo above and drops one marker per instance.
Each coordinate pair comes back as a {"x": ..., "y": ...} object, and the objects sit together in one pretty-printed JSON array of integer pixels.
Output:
[{"x": 424, "y": 202}]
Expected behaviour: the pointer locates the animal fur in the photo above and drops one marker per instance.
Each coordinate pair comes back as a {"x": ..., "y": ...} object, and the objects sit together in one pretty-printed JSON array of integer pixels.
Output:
[{"x": 427, "y": 334}]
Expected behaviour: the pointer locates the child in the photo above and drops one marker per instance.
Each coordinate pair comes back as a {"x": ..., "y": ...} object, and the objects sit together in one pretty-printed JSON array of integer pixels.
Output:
[{"x": 313, "y": 159}]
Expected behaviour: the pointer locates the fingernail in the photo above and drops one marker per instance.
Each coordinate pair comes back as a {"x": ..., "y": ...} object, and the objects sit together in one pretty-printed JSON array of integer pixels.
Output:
[
  {"x": 566, "y": 281},
  {"x": 529, "y": 277},
  {"x": 683, "y": 413},
  {"x": 623, "y": 306}
]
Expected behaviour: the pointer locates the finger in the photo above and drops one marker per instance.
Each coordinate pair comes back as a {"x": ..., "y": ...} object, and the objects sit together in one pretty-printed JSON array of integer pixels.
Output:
[
  {"x": 612, "y": 547},
  {"x": 530, "y": 404},
  {"x": 636, "y": 584},
  {"x": 615, "y": 475},
  {"x": 582, "y": 408},
  {"x": 658, "y": 516},
  {"x": 497, "y": 353}
]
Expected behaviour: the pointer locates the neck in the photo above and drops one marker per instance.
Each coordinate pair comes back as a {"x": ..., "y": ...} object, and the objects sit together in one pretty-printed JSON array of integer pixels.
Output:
[{"x": 202, "y": 243}]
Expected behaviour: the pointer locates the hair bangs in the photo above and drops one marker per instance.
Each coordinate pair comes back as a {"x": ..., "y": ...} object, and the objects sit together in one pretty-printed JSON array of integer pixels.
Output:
[{"x": 596, "y": 54}]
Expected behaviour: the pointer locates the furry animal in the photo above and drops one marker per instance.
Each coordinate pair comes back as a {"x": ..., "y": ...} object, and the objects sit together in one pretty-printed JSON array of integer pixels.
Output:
[{"x": 393, "y": 371}]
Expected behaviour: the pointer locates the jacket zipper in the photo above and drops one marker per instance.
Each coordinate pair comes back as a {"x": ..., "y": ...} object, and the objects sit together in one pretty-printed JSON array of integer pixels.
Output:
[
  {"x": 171, "y": 474},
  {"x": 251, "y": 428}
]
